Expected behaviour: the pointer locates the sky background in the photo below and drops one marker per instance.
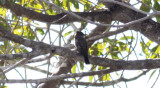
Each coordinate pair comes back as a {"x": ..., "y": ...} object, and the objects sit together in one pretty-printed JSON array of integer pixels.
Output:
[{"x": 141, "y": 82}]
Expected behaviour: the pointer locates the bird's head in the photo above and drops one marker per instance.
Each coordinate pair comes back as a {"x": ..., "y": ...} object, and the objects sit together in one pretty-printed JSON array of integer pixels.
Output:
[{"x": 79, "y": 33}]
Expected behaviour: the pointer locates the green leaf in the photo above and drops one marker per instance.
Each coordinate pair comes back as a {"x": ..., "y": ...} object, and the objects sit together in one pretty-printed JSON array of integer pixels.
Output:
[
  {"x": 127, "y": 37},
  {"x": 145, "y": 49},
  {"x": 151, "y": 75},
  {"x": 106, "y": 77},
  {"x": 81, "y": 66},
  {"x": 67, "y": 33},
  {"x": 58, "y": 3},
  {"x": 91, "y": 78},
  {"x": 3, "y": 13},
  {"x": 65, "y": 4},
  {"x": 156, "y": 5},
  {"x": 73, "y": 70},
  {"x": 143, "y": 7},
  {"x": 107, "y": 40},
  {"x": 100, "y": 47},
  {"x": 75, "y": 4},
  {"x": 40, "y": 31},
  {"x": 50, "y": 12},
  {"x": 154, "y": 49},
  {"x": 149, "y": 43},
  {"x": 99, "y": 6},
  {"x": 115, "y": 55},
  {"x": 25, "y": 51},
  {"x": 156, "y": 52},
  {"x": 122, "y": 46},
  {"x": 87, "y": 4},
  {"x": 5, "y": 44}
]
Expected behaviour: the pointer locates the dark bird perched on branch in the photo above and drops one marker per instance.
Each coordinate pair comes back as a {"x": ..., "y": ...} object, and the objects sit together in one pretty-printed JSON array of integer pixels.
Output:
[{"x": 81, "y": 45}]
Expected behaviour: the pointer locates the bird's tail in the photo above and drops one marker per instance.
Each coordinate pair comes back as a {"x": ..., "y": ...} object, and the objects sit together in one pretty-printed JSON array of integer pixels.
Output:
[{"x": 86, "y": 60}]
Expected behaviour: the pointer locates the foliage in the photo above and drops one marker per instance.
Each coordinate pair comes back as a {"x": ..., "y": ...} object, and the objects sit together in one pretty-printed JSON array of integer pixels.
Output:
[{"x": 116, "y": 47}]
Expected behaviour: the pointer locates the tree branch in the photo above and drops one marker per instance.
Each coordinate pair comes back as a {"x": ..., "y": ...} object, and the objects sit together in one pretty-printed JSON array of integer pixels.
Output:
[
  {"x": 107, "y": 83},
  {"x": 60, "y": 18},
  {"x": 59, "y": 77},
  {"x": 17, "y": 56},
  {"x": 107, "y": 34},
  {"x": 65, "y": 52}
]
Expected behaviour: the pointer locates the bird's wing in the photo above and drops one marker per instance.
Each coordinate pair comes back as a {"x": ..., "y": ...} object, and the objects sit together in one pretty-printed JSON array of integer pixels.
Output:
[
  {"x": 82, "y": 47},
  {"x": 81, "y": 44}
]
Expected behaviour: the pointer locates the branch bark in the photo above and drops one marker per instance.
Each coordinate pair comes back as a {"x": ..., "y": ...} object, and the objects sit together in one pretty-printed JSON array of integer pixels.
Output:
[
  {"x": 65, "y": 52},
  {"x": 107, "y": 83},
  {"x": 117, "y": 13}
]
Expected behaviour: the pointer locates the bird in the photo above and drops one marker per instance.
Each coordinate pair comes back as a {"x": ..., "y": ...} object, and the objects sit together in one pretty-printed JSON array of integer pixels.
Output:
[{"x": 81, "y": 45}]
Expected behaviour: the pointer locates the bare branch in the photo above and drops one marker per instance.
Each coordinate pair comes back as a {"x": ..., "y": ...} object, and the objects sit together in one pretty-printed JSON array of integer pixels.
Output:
[
  {"x": 108, "y": 83},
  {"x": 21, "y": 62},
  {"x": 37, "y": 69},
  {"x": 18, "y": 56},
  {"x": 123, "y": 4},
  {"x": 58, "y": 77},
  {"x": 107, "y": 34},
  {"x": 43, "y": 48}
]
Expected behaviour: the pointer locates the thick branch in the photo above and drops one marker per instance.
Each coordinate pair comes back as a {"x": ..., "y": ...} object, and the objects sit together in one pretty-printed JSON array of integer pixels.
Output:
[
  {"x": 120, "y": 13},
  {"x": 147, "y": 27},
  {"x": 56, "y": 19},
  {"x": 119, "y": 64},
  {"x": 67, "y": 53},
  {"x": 18, "y": 56},
  {"x": 116, "y": 64}
]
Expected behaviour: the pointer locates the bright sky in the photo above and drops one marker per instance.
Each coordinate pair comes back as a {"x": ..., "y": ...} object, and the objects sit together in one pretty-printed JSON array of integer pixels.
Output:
[{"x": 139, "y": 83}]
